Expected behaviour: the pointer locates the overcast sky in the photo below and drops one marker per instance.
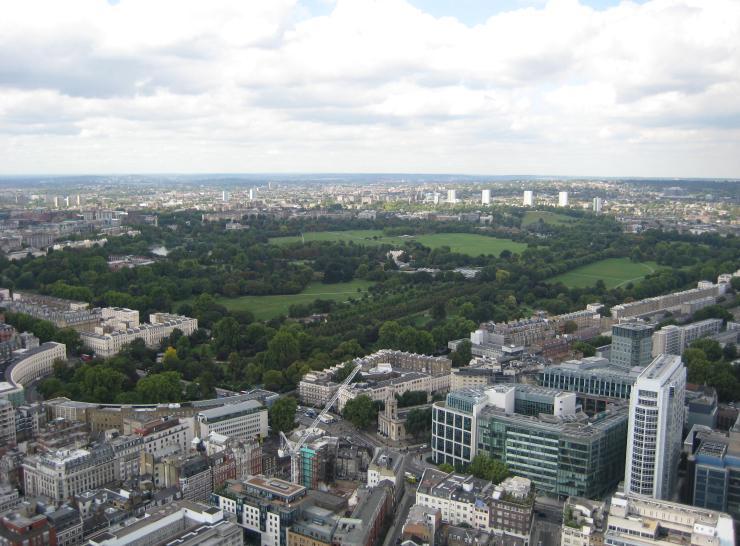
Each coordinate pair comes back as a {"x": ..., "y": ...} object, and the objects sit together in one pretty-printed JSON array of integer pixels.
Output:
[{"x": 562, "y": 87}]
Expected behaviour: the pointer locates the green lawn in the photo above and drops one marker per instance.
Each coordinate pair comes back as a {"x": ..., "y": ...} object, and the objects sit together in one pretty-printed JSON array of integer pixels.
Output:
[
  {"x": 267, "y": 307},
  {"x": 464, "y": 243},
  {"x": 552, "y": 218},
  {"x": 364, "y": 236},
  {"x": 613, "y": 271}
]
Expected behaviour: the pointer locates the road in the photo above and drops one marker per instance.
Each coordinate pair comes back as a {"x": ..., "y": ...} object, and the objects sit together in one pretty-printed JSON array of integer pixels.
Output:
[
  {"x": 548, "y": 518},
  {"x": 402, "y": 512}
]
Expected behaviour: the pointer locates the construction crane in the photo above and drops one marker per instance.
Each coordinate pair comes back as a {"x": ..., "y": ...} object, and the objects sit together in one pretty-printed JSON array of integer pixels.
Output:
[{"x": 294, "y": 449}]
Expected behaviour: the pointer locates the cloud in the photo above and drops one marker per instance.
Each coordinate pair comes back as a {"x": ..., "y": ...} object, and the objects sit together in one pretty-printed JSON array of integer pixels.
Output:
[{"x": 372, "y": 85}]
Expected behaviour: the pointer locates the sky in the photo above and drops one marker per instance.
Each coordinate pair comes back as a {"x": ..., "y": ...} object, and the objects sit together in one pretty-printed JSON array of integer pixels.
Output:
[{"x": 558, "y": 87}]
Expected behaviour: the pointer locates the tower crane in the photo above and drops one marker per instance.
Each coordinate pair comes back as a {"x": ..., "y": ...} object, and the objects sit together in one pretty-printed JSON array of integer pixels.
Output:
[{"x": 294, "y": 449}]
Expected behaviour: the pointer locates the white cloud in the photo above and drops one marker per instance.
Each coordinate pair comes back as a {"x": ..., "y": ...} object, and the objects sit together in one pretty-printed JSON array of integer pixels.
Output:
[{"x": 376, "y": 85}]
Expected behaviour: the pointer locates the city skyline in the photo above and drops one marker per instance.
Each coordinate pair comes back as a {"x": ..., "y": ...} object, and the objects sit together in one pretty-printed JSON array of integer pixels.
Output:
[{"x": 561, "y": 88}]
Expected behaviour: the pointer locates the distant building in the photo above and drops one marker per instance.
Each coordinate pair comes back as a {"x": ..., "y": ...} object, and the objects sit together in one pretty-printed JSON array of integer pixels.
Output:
[
  {"x": 528, "y": 200},
  {"x": 485, "y": 197},
  {"x": 121, "y": 326},
  {"x": 451, "y": 196},
  {"x": 674, "y": 339},
  {"x": 670, "y": 301},
  {"x": 598, "y": 204},
  {"x": 656, "y": 427},
  {"x": 563, "y": 199},
  {"x": 631, "y": 344}
]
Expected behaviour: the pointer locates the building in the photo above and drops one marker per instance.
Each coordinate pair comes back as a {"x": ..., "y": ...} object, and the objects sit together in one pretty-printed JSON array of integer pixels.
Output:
[
  {"x": 422, "y": 524},
  {"x": 121, "y": 326},
  {"x": 666, "y": 302},
  {"x": 584, "y": 522},
  {"x": 674, "y": 339},
  {"x": 240, "y": 421},
  {"x": 67, "y": 525},
  {"x": 7, "y": 423},
  {"x": 504, "y": 509},
  {"x": 598, "y": 204},
  {"x": 656, "y": 416},
  {"x": 164, "y": 436},
  {"x": 528, "y": 199},
  {"x": 383, "y": 372},
  {"x": 713, "y": 469},
  {"x": 24, "y": 528},
  {"x": 539, "y": 433},
  {"x": 451, "y": 196},
  {"x": 62, "y": 313},
  {"x": 31, "y": 364},
  {"x": 267, "y": 506},
  {"x": 594, "y": 379},
  {"x": 62, "y": 474},
  {"x": 485, "y": 197},
  {"x": 386, "y": 465},
  {"x": 643, "y": 521},
  {"x": 183, "y": 523},
  {"x": 563, "y": 199},
  {"x": 668, "y": 341},
  {"x": 631, "y": 344}
]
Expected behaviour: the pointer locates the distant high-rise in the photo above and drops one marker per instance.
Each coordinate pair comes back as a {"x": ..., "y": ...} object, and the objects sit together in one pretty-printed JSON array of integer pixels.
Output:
[
  {"x": 451, "y": 196},
  {"x": 668, "y": 340},
  {"x": 79, "y": 200},
  {"x": 225, "y": 196},
  {"x": 436, "y": 198},
  {"x": 251, "y": 194},
  {"x": 528, "y": 198},
  {"x": 632, "y": 344},
  {"x": 485, "y": 197},
  {"x": 598, "y": 203},
  {"x": 656, "y": 428},
  {"x": 563, "y": 199}
]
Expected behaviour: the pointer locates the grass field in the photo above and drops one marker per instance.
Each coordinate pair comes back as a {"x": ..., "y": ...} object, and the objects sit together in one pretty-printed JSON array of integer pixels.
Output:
[
  {"x": 613, "y": 271},
  {"x": 364, "y": 236},
  {"x": 552, "y": 218},
  {"x": 267, "y": 307},
  {"x": 464, "y": 243}
]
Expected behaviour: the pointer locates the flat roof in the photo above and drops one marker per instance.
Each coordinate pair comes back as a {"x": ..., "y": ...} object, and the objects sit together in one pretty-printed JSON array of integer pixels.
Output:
[{"x": 229, "y": 409}]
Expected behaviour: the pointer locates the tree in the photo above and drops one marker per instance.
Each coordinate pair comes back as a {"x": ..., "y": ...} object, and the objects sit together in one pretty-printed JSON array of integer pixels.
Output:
[
  {"x": 419, "y": 422},
  {"x": 412, "y": 398},
  {"x": 486, "y": 468},
  {"x": 729, "y": 351},
  {"x": 569, "y": 327},
  {"x": 282, "y": 414},
  {"x": 446, "y": 467},
  {"x": 361, "y": 412},
  {"x": 226, "y": 336},
  {"x": 282, "y": 350},
  {"x": 438, "y": 311},
  {"x": 273, "y": 380},
  {"x": 585, "y": 348},
  {"x": 159, "y": 387},
  {"x": 463, "y": 354},
  {"x": 710, "y": 347},
  {"x": 71, "y": 338}
]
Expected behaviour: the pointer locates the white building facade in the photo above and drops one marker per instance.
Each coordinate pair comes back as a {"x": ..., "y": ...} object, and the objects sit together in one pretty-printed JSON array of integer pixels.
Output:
[{"x": 655, "y": 428}]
